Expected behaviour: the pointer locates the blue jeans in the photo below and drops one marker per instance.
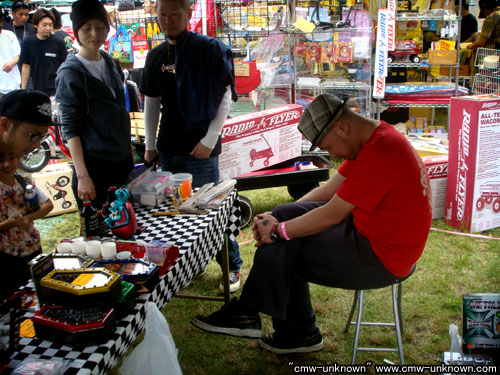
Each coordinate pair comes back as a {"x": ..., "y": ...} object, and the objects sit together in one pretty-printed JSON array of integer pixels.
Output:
[{"x": 203, "y": 171}]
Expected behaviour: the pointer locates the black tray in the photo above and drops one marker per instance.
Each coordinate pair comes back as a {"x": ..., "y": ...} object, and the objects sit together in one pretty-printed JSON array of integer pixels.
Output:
[{"x": 288, "y": 178}]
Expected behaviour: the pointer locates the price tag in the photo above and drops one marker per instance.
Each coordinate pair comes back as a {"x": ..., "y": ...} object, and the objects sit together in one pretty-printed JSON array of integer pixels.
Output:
[
  {"x": 27, "y": 329},
  {"x": 83, "y": 279}
]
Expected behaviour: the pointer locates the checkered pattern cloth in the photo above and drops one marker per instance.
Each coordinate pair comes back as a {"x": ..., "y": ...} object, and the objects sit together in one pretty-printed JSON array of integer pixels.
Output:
[{"x": 199, "y": 238}]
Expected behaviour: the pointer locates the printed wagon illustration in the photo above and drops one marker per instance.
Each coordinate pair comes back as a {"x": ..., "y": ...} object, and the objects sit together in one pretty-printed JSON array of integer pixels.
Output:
[
  {"x": 490, "y": 192},
  {"x": 266, "y": 153}
]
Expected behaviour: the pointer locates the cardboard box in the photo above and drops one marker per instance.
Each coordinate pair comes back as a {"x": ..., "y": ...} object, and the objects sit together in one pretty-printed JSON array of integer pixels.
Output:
[
  {"x": 55, "y": 181},
  {"x": 445, "y": 57},
  {"x": 260, "y": 139},
  {"x": 463, "y": 70},
  {"x": 473, "y": 191},
  {"x": 437, "y": 169}
]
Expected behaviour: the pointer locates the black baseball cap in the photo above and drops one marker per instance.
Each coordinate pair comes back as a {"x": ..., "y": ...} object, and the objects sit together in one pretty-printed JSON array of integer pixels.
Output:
[{"x": 30, "y": 106}]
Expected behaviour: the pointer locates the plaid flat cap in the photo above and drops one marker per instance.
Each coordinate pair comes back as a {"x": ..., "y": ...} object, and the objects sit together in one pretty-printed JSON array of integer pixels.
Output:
[{"x": 323, "y": 111}]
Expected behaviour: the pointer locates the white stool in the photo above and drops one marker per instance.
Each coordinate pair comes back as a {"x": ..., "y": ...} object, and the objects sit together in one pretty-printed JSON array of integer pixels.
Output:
[{"x": 397, "y": 291}]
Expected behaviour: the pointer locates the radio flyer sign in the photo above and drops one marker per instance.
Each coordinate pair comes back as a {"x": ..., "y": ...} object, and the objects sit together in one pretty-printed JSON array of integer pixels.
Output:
[
  {"x": 473, "y": 191},
  {"x": 260, "y": 139},
  {"x": 381, "y": 55}
]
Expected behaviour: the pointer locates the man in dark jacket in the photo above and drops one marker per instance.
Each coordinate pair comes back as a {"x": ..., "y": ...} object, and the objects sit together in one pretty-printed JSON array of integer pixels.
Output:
[{"x": 192, "y": 77}]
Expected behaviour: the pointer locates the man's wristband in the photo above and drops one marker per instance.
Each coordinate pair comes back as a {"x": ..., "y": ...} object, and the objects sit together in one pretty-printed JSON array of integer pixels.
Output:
[
  {"x": 283, "y": 232},
  {"x": 274, "y": 233}
]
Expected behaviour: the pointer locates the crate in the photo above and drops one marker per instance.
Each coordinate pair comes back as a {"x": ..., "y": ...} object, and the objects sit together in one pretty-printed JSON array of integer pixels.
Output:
[
  {"x": 481, "y": 53},
  {"x": 444, "y": 57},
  {"x": 486, "y": 84}
]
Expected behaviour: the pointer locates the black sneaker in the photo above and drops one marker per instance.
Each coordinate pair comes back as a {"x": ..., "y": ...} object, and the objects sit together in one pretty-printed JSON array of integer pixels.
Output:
[
  {"x": 234, "y": 282},
  {"x": 231, "y": 320},
  {"x": 284, "y": 344}
]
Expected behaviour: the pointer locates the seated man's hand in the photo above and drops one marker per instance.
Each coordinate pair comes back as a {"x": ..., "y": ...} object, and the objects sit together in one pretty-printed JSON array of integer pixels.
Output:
[{"x": 261, "y": 228}]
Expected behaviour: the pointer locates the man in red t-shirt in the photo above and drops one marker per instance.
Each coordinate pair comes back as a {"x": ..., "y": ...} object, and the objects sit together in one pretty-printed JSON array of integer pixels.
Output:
[{"x": 364, "y": 228}]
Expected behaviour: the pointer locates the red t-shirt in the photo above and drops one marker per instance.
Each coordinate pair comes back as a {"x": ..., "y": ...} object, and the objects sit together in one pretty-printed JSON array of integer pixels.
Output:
[{"x": 389, "y": 186}]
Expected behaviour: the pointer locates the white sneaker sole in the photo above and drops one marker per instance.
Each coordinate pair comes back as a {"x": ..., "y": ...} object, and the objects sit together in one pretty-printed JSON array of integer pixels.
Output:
[
  {"x": 237, "y": 332},
  {"x": 305, "y": 349},
  {"x": 232, "y": 287}
]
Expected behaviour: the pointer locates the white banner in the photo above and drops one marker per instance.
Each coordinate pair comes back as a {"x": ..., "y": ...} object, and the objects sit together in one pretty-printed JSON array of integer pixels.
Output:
[
  {"x": 391, "y": 24},
  {"x": 381, "y": 55}
]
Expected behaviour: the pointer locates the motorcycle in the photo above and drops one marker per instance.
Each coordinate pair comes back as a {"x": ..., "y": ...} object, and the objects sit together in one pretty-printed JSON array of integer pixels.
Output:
[{"x": 51, "y": 145}]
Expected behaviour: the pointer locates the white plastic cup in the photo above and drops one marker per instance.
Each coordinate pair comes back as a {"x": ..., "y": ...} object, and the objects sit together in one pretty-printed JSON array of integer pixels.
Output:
[
  {"x": 108, "y": 250},
  {"x": 94, "y": 249},
  {"x": 79, "y": 247},
  {"x": 64, "y": 248},
  {"x": 155, "y": 252},
  {"x": 183, "y": 182}
]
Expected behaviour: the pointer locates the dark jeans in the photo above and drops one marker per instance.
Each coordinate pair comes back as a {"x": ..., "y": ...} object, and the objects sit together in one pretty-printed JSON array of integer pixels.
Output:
[
  {"x": 278, "y": 283},
  {"x": 15, "y": 272},
  {"x": 203, "y": 171},
  {"x": 104, "y": 173}
]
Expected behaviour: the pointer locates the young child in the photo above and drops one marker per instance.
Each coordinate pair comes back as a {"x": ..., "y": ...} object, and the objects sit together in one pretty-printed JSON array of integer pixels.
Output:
[{"x": 19, "y": 239}]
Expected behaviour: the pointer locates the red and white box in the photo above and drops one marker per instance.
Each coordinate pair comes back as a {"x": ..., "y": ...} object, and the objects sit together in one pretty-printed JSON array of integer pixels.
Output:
[
  {"x": 260, "y": 139},
  {"x": 437, "y": 169},
  {"x": 473, "y": 192}
]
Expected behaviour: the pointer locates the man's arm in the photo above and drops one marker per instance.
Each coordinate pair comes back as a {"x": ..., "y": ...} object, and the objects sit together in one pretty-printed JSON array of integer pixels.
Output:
[
  {"x": 25, "y": 75},
  {"x": 7, "y": 67},
  {"x": 312, "y": 222},
  {"x": 478, "y": 43},
  {"x": 204, "y": 148},
  {"x": 151, "y": 119}
]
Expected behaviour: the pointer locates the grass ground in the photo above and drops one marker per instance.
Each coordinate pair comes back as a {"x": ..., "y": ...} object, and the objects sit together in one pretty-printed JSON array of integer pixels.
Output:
[{"x": 450, "y": 266}]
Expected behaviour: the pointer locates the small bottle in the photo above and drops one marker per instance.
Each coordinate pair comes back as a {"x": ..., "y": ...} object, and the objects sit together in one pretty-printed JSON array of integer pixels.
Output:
[
  {"x": 31, "y": 199},
  {"x": 102, "y": 226},
  {"x": 105, "y": 210},
  {"x": 89, "y": 226},
  {"x": 111, "y": 196}
]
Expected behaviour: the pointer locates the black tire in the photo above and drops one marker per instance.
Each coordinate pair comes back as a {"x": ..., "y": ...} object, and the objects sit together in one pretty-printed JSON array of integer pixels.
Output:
[
  {"x": 62, "y": 181},
  {"x": 415, "y": 58},
  {"x": 36, "y": 160},
  {"x": 66, "y": 205},
  {"x": 297, "y": 191},
  {"x": 390, "y": 59},
  {"x": 246, "y": 208}
]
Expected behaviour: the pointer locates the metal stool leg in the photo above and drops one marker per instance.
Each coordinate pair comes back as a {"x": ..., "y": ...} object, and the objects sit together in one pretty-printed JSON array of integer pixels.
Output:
[
  {"x": 397, "y": 320},
  {"x": 358, "y": 326},
  {"x": 400, "y": 311},
  {"x": 351, "y": 314}
]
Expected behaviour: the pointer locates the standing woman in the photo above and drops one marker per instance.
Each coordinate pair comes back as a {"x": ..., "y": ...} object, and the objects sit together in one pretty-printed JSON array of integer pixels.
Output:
[{"x": 92, "y": 102}]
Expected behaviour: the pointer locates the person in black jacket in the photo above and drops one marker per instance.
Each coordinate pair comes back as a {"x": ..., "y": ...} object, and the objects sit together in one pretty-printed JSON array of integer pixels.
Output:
[{"x": 91, "y": 98}]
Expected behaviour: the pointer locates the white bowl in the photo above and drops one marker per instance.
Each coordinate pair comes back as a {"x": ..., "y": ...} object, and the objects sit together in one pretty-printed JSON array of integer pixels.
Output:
[{"x": 123, "y": 255}]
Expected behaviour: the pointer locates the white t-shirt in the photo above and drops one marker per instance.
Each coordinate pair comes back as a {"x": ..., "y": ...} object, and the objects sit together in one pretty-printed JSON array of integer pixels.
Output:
[
  {"x": 98, "y": 70},
  {"x": 9, "y": 48}
]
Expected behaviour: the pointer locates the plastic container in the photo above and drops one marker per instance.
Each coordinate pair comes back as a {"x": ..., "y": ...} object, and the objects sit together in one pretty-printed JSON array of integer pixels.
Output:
[
  {"x": 155, "y": 252},
  {"x": 183, "y": 182},
  {"x": 123, "y": 255}
]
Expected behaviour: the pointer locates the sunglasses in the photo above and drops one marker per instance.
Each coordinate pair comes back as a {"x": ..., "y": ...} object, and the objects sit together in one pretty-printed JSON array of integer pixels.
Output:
[{"x": 20, "y": 4}]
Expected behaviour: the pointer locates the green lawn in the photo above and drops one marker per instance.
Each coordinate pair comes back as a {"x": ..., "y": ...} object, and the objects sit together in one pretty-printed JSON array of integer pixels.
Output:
[{"x": 450, "y": 266}]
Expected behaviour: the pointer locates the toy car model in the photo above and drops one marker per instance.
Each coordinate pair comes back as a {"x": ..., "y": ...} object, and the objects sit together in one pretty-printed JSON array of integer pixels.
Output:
[{"x": 404, "y": 48}]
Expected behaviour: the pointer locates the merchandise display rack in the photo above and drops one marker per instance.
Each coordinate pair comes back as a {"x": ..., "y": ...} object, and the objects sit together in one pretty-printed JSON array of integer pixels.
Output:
[{"x": 487, "y": 80}]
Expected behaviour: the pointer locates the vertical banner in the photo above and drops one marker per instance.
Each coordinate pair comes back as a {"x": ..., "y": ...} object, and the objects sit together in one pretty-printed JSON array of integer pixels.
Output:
[
  {"x": 391, "y": 24},
  {"x": 380, "y": 55}
]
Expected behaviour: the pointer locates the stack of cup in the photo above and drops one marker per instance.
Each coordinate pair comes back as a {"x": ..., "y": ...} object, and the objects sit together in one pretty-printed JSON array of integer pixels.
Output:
[
  {"x": 64, "y": 248},
  {"x": 108, "y": 250},
  {"x": 94, "y": 249},
  {"x": 79, "y": 247}
]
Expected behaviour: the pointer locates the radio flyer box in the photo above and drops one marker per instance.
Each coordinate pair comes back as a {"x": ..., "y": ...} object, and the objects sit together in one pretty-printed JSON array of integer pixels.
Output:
[
  {"x": 259, "y": 139},
  {"x": 473, "y": 191},
  {"x": 481, "y": 323},
  {"x": 437, "y": 169},
  {"x": 55, "y": 181}
]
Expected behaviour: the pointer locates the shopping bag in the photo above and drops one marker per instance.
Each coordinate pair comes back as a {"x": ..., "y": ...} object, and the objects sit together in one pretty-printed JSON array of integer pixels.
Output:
[{"x": 156, "y": 354}]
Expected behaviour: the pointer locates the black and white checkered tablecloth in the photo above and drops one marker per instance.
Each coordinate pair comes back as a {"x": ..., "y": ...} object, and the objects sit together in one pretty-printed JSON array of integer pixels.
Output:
[{"x": 199, "y": 238}]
